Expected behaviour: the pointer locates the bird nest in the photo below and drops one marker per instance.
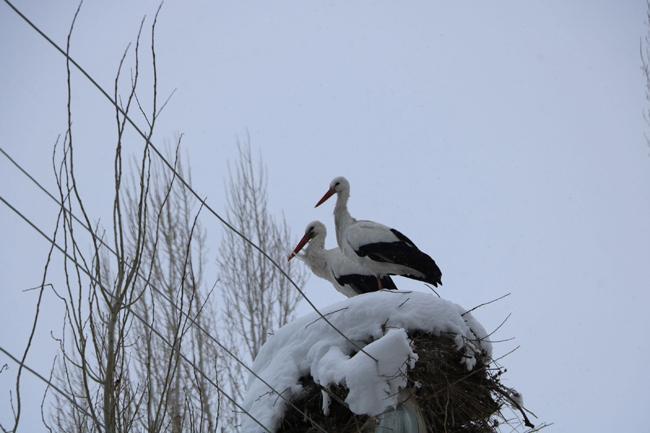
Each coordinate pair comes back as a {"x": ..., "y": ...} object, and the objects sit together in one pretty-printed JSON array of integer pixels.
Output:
[{"x": 447, "y": 396}]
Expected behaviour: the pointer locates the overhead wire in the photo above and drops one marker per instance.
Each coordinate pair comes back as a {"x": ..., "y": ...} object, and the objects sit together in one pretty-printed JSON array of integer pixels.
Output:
[
  {"x": 49, "y": 384},
  {"x": 160, "y": 292}
]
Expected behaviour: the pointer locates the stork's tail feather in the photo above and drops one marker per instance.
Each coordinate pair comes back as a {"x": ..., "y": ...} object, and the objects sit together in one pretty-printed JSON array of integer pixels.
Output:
[{"x": 431, "y": 271}]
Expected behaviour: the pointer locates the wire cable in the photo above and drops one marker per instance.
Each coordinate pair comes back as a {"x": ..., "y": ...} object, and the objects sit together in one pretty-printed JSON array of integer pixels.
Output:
[
  {"x": 144, "y": 322},
  {"x": 49, "y": 384},
  {"x": 161, "y": 293},
  {"x": 181, "y": 178}
]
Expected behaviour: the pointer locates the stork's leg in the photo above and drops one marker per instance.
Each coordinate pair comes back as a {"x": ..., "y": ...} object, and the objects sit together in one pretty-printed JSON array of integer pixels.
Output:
[{"x": 379, "y": 284}]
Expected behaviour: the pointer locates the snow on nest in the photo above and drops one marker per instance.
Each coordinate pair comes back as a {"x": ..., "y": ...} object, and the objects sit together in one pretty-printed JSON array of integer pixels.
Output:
[{"x": 309, "y": 346}]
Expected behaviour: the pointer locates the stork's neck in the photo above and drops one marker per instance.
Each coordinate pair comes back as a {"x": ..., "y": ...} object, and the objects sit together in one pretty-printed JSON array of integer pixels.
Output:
[
  {"x": 315, "y": 256},
  {"x": 342, "y": 218}
]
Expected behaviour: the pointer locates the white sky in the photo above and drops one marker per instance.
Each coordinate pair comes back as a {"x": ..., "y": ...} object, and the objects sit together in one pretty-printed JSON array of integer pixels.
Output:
[{"x": 506, "y": 139}]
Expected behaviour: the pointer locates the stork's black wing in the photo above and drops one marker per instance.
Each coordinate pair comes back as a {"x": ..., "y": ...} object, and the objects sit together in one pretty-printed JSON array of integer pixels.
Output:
[
  {"x": 365, "y": 283},
  {"x": 403, "y": 252}
]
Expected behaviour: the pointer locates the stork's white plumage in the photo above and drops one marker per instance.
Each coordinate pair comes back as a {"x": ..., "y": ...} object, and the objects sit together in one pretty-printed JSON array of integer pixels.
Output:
[
  {"x": 347, "y": 276},
  {"x": 381, "y": 249}
]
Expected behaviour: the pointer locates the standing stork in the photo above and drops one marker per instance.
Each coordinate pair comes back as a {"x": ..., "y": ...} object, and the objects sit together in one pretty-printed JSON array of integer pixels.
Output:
[
  {"x": 381, "y": 249},
  {"x": 347, "y": 276}
]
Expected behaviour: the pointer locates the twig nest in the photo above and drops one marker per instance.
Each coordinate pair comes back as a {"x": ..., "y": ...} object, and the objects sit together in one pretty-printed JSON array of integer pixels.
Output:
[
  {"x": 441, "y": 394},
  {"x": 412, "y": 343}
]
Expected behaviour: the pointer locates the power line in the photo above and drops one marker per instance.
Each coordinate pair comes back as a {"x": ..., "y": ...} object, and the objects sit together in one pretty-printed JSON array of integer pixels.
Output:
[
  {"x": 144, "y": 322},
  {"x": 160, "y": 292},
  {"x": 184, "y": 182},
  {"x": 50, "y": 384}
]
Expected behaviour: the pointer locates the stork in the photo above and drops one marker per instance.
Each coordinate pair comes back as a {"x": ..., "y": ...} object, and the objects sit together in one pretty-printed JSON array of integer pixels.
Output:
[
  {"x": 347, "y": 276},
  {"x": 381, "y": 249}
]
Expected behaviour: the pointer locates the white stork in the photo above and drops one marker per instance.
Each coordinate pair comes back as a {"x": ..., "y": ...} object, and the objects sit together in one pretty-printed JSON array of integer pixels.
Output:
[
  {"x": 347, "y": 276},
  {"x": 381, "y": 249}
]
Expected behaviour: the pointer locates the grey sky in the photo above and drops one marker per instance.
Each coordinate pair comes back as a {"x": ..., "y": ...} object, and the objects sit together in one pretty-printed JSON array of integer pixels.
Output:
[{"x": 506, "y": 138}]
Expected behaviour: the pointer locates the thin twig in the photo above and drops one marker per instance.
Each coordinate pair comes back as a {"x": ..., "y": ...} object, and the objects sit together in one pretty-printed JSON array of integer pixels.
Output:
[{"x": 486, "y": 303}]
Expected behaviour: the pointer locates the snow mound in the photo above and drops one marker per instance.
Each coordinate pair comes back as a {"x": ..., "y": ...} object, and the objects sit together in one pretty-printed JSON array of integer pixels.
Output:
[
  {"x": 378, "y": 322},
  {"x": 369, "y": 383}
]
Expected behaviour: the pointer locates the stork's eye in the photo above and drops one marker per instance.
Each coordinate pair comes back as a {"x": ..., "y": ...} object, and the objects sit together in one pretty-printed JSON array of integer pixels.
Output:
[{"x": 337, "y": 183}]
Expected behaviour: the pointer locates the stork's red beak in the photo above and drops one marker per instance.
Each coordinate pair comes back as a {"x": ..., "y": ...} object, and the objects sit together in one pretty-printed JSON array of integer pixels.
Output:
[
  {"x": 330, "y": 192},
  {"x": 299, "y": 247}
]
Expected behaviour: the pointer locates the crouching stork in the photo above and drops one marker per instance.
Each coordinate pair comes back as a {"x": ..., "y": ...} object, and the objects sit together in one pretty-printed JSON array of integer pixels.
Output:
[{"x": 347, "y": 276}]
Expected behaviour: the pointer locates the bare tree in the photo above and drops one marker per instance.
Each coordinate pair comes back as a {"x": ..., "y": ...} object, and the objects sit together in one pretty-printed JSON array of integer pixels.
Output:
[
  {"x": 258, "y": 299},
  {"x": 131, "y": 358},
  {"x": 645, "y": 66},
  {"x": 151, "y": 388},
  {"x": 124, "y": 346},
  {"x": 175, "y": 256}
]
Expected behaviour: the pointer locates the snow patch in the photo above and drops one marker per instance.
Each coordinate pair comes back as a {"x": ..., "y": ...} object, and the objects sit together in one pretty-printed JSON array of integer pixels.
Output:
[
  {"x": 376, "y": 321},
  {"x": 374, "y": 386}
]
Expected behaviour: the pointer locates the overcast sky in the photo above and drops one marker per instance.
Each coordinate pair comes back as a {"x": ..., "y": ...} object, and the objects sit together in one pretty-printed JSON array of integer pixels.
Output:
[{"x": 505, "y": 138}]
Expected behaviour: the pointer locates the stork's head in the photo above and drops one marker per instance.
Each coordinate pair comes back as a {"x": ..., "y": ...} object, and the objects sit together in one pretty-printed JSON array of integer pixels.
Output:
[
  {"x": 315, "y": 229},
  {"x": 338, "y": 185}
]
